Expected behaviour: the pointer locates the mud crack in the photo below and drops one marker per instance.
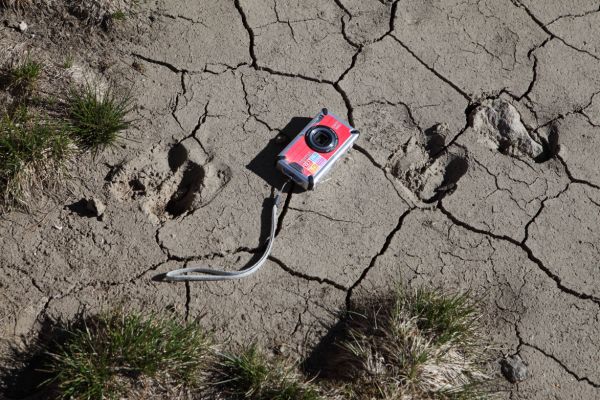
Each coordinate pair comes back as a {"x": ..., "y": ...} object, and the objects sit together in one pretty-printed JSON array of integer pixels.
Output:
[
  {"x": 523, "y": 246},
  {"x": 544, "y": 27},
  {"x": 386, "y": 245},
  {"x": 432, "y": 70},
  {"x": 159, "y": 62},
  {"x": 530, "y": 54},
  {"x": 307, "y": 277},
  {"x": 572, "y": 178},
  {"x": 586, "y": 13},
  {"x": 183, "y": 17},
  {"x": 562, "y": 365},
  {"x": 343, "y": 22},
  {"x": 188, "y": 299},
  {"x": 323, "y": 215}
]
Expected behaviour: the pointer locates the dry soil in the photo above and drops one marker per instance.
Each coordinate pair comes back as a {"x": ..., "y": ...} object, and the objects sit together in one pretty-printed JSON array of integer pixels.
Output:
[{"x": 477, "y": 169}]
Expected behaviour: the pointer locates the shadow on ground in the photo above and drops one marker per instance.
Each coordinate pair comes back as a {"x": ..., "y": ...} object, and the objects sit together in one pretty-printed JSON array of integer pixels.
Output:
[
  {"x": 22, "y": 374},
  {"x": 263, "y": 164}
]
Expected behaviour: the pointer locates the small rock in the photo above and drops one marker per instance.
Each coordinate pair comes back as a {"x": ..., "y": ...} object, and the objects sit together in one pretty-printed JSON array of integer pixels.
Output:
[
  {"x": 96, "y": 206},
  {"x": 23, "y": 26},
  {"x": 513, "y": 369}
]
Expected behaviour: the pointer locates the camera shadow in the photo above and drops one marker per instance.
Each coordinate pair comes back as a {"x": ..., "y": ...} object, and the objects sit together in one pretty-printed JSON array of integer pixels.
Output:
[{"x": 263, "y": 164}]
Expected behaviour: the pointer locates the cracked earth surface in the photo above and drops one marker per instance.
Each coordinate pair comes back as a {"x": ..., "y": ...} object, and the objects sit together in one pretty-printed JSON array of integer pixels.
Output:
[{"x": 476, "y": 169}]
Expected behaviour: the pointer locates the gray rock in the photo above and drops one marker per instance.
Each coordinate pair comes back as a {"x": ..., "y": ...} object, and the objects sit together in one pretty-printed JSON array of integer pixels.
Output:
[{"x": 514, "y": 369}]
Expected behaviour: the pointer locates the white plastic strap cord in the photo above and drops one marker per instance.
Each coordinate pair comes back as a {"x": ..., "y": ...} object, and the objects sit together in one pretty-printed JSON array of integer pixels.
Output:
[{"x": 208, "y": 274}]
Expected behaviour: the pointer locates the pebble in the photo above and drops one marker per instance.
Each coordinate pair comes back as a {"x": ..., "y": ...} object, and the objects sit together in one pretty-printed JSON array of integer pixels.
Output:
[
  {"x": 23, "y": 26},
  {"x": 513, "y": 369}
]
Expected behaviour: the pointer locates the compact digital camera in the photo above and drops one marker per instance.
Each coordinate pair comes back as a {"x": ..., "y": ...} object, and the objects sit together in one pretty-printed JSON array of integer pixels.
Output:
[{"x": 312, "y": 153}]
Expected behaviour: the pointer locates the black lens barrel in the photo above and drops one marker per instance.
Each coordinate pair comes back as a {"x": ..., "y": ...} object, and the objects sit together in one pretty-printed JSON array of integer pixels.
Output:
[{"x": 321, "y": 139}]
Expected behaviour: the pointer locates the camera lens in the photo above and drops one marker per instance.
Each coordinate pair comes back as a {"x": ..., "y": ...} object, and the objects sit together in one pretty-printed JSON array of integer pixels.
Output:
[{"x": 322, "y": 139}]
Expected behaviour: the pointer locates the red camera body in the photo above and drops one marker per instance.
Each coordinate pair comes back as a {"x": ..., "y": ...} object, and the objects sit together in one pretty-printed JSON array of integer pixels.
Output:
[{"x": 312, "y": 153}]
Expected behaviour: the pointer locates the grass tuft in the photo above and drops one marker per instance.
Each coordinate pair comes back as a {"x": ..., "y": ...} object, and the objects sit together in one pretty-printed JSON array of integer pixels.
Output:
[
  {"x": 251, "y": 375},
  {"x": 412, "y": 345},
  {"x": 101, "y": 358},
  {"x": 30, "y": 150},
  {"x": 68, "y": 62},
  {"x": 119, "y": 15},
  {"x": 98, "y": 118},
  {"x": 23, "y": 77},
  {"x": 420, "y": 344},
  {"x": 444, "y": 317}
]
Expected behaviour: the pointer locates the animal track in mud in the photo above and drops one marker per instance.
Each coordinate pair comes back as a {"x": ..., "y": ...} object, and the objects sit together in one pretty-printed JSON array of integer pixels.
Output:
[
  {"x": 173, "y": 186},
  {"x": 500, "y": 127},
  {"x": 424, "y": 169},
  {"x": 189, "y": 186}
]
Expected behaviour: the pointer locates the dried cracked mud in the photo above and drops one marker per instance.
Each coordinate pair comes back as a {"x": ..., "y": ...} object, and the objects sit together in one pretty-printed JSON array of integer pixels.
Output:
[{"x": 477, "y": 169}]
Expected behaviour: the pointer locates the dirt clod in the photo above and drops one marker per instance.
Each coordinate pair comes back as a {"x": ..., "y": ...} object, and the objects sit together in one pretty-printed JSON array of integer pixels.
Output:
[
  {"x": 96, "y": 207},
  {"x": 500, "y": 126}
]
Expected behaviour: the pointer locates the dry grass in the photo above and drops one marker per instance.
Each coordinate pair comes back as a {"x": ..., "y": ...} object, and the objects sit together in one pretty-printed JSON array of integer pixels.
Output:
[
  {"x": 413, "y": 345},
  {"x": 15, "y": 4},
  {"x": 99, "y": 12},
  {"x": 23, "y": 77},
  {"x": 32, "y": 151},
  {"x": 422, "y": 344},
  {"x": 250, "y": 374},
  {"x": 115, "y": 353},
  {"x": 43, "y": 125},
  {"x": 128, "y": 355}
]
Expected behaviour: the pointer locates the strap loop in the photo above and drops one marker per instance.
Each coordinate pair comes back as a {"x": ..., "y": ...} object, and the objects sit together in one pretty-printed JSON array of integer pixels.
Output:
[{"x": 200, "y": 273}]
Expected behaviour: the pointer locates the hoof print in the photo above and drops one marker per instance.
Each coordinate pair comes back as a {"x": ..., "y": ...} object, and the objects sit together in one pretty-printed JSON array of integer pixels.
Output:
[
  {"x": 171, "y": 184},
  {"x": 190, "y": 184},
  {"x": 425, "y": 168}
]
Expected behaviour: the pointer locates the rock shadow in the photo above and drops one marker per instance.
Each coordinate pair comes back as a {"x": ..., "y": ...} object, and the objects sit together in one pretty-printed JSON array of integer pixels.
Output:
[
  {"x": 550, "y": 144},
  {"x": 81, "y": 208}
]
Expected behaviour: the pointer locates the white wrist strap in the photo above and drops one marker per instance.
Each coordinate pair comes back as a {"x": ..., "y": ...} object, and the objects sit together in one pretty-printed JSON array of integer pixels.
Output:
[{"x": 208, "y": 274}]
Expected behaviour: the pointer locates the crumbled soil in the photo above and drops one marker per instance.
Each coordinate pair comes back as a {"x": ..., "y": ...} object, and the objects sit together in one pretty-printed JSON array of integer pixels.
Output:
[{"x": 476, "y": 169}]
